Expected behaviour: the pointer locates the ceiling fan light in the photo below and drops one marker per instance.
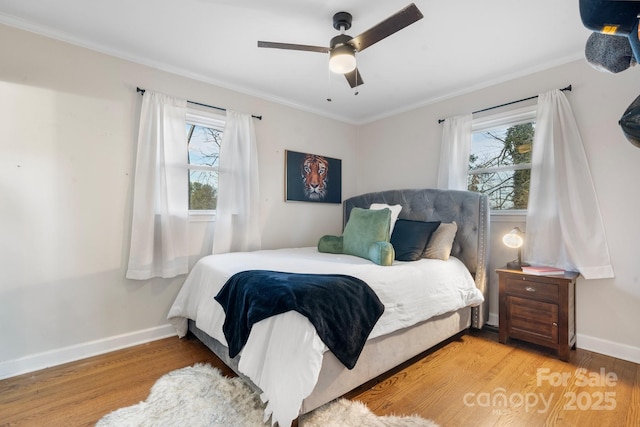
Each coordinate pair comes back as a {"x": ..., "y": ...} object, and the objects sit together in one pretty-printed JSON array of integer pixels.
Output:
[{"x": 342, "y": 59}]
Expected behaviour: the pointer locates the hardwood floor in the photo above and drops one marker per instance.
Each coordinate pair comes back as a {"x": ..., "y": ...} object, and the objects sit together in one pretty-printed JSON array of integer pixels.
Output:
[
  {"x": 80, "y": 393},
  {"x": 469, "y": 381}
]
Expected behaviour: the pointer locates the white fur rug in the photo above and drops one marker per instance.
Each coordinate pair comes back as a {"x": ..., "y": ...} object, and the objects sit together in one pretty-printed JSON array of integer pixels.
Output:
[{"x": 200, "y": 395}]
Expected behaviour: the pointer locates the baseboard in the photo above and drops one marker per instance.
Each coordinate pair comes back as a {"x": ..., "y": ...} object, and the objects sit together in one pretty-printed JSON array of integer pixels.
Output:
[
  {"x": 608, "y": 348},
  {"x": 23, "y": 365},
  {"x": 597, "y": 345},
  {"x": 493, "y": 319}
]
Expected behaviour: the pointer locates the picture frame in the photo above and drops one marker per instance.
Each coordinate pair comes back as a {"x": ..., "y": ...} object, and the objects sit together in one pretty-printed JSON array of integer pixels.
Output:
[{"x": 312, "y": 178}]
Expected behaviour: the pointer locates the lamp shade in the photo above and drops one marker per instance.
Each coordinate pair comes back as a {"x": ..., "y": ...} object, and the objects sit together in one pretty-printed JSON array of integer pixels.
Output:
[
  {"x": 513, "y": 239},
  {"x": 342, "y": 59}
]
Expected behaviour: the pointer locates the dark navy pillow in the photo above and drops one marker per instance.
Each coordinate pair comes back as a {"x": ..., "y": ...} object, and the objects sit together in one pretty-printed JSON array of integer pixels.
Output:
[{"x": 409, "y": 238}]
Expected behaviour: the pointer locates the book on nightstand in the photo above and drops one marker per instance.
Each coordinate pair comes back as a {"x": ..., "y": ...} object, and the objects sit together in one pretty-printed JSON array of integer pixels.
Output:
[{"x": 541, "y": 270}]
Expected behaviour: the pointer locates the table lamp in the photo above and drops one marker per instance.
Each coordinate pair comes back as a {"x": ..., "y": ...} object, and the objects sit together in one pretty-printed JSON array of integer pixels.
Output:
[{"x": 515, "y": 239}]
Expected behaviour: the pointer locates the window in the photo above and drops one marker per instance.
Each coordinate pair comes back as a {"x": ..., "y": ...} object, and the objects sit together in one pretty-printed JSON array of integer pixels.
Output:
[
  {"x": 500, "y": 158},
  {"x": 204, "y": 136}
]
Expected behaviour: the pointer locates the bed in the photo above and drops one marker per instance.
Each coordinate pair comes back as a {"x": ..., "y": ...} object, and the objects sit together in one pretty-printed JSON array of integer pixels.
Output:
[{"x": 286, "y": 361}]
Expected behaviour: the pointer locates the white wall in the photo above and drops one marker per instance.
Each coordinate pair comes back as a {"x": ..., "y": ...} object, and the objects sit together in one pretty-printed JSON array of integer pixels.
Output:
[
  {"x": 68, "y": 125},
  {"x": 407, "y": 147}
]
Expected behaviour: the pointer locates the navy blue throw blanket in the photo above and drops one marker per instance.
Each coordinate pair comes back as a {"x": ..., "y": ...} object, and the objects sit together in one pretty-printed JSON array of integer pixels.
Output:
[{"x": 343, "y": 309}]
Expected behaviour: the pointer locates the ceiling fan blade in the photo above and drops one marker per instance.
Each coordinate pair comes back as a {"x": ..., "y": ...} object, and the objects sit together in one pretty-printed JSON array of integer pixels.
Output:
[
  {"x": 392, "y": 24},
  {"x": 291, "y": 46},
  {"x": 354, "y": 77}
]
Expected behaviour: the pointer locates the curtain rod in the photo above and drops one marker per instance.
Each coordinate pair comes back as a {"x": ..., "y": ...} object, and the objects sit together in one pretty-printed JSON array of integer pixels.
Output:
[
  {"x": 509, "y": 103},
  {"x": 202, "y": 105}
]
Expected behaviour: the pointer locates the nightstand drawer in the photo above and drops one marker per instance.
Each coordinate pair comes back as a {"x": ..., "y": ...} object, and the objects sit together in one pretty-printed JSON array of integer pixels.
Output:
[{"x": 531, "y": 289}]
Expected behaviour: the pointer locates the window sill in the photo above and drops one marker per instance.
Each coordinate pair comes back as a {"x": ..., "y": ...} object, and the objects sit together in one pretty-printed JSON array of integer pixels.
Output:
[
  {"x": 202, "y": 216},
  {"x": 519, "y": 215}
]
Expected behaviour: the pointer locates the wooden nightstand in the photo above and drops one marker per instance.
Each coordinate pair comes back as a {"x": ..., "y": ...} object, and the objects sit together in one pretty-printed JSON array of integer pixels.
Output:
[{"x": 538, "y": 309}]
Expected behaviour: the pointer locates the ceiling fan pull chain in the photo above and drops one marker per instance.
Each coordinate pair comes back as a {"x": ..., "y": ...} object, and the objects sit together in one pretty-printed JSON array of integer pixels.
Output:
[
  {"x": 355, "y": 55},
  {"x": 328, "y": 85}
]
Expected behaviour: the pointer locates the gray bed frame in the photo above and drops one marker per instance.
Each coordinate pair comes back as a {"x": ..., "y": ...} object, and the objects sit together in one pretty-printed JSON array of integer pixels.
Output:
[{"x": 471, "y": 212}]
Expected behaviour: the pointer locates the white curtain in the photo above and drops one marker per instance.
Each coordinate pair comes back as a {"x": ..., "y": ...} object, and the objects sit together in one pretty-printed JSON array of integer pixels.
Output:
[
  {"x": 160, "y": 201},
  {"x": 564, "y": 225},
  {"x": 454, "y": 153},
  {"x": 237, "y": 214}
]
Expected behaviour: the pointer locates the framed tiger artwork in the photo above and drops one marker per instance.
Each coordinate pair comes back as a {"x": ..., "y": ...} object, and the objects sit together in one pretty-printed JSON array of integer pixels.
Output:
[{"x": 312, "y": 178}]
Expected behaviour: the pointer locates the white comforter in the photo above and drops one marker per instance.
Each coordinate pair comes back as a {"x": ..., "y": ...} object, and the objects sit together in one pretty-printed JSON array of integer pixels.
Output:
[{"x": 283, "y": 355}]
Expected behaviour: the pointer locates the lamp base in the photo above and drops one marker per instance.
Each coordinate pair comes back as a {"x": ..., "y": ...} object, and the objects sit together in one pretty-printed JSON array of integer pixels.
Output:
[{"x": 516, "y": 265}]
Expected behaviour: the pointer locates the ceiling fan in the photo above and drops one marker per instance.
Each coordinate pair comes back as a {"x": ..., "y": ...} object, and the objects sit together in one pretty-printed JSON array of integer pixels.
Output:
[{"x": 342, "y": 48}]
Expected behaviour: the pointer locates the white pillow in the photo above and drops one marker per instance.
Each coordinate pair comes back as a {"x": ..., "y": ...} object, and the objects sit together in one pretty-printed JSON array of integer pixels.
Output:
[{"x": 395, "y": 211}]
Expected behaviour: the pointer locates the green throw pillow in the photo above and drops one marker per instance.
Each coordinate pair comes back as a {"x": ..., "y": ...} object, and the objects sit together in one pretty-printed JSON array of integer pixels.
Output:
[
  {"x": 366, "y": 235},
  {"x": 330, "y": 244},
  {"x": 382, "y": 253}
]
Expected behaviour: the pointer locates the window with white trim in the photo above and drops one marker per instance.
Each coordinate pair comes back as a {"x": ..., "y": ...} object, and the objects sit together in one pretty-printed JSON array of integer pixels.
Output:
[
  {"x": 204, "y": 137},
  {"x": 500, "y": 158}
]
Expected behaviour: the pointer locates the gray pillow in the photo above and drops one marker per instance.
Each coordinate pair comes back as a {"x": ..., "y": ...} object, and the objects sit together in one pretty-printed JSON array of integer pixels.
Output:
[{"x": 441, "y": 242}]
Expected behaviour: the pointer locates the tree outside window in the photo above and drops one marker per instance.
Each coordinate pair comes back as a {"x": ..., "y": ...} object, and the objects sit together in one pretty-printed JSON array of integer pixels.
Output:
[
  {"x": 500, "y": 163},
  {"x": 204, "y": 137}
]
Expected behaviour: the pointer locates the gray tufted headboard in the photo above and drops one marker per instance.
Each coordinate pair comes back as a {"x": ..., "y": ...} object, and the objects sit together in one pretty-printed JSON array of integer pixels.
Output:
[{"x": 468, "y": 209}]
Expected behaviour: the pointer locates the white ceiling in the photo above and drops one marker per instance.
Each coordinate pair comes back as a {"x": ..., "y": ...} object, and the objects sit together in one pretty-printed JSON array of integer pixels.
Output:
[{"x": 457, "y": 47}]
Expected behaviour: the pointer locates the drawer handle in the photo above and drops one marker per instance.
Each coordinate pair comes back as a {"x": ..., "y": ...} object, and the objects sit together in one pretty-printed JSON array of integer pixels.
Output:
[
  {"x": 530, "y": 289},
  {"x": 554, "y": 324}
]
